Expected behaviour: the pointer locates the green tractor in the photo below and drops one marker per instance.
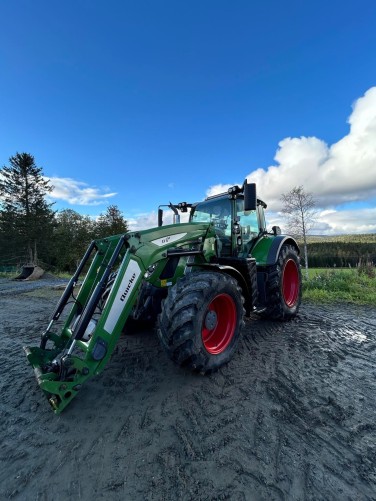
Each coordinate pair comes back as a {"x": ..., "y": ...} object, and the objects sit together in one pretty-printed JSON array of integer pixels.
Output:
[{"x": 196, "y": 280}]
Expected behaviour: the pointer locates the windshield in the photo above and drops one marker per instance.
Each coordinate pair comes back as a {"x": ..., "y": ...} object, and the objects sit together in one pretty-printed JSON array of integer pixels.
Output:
[{"x": 216, "y": 211}]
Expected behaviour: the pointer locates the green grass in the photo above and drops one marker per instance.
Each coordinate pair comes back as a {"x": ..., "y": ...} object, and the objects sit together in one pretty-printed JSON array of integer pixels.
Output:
[
  {"x": 340, "y": 285},
  {"x": 323, "y": 285},
  {"x": 313, "y": 272}
]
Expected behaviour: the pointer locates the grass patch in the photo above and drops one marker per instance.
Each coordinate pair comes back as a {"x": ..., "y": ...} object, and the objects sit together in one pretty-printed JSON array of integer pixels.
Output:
[
  {"x": 344, "y": 285},
  {"x": 314, "y": 272}
]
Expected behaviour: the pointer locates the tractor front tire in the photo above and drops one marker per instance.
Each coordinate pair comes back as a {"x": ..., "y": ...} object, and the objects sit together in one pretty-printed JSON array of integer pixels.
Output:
[
  {"x": 201, "y": 320},
  {"x": 284, "y": 286}
]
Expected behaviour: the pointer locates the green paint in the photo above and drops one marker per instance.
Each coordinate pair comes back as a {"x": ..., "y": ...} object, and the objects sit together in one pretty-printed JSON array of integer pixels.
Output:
[{"x": 261, "y": 249}]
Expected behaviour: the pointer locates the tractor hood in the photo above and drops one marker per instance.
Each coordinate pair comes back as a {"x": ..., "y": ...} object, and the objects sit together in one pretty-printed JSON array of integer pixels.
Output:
[{"x": 153, "y": 244}]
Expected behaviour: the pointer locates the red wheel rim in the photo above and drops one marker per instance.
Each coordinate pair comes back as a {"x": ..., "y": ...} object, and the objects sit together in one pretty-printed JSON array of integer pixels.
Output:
[
  {"x": 290, "y": 283},
  {"x": 219, "y": 324}
]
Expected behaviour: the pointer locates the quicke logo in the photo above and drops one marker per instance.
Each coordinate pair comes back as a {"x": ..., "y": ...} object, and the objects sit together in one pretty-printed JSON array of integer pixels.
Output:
[{"x": 125, "y": 293}]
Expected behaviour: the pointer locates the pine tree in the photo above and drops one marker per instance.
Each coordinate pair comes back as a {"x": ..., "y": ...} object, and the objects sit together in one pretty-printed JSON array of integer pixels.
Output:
[
  {"x": 26, "y": 219},
  {"x": 112, "y": 222}
]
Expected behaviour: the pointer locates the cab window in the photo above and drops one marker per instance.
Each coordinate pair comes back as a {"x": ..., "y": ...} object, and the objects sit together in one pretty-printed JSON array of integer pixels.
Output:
[
  {"x": 216, "y": 211},
  {"x": 248, "y": 222}
]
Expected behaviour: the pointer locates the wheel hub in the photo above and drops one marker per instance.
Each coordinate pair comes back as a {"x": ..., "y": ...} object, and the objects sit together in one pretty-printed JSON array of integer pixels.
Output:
[
  {"x": 290, "y": 283},
  {"x": 219, "y": 324},
  {"x": 211, "y": 320}
]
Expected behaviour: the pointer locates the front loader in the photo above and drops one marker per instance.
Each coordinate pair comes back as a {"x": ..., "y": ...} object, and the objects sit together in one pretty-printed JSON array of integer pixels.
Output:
[{"x": 197, "y": 280}]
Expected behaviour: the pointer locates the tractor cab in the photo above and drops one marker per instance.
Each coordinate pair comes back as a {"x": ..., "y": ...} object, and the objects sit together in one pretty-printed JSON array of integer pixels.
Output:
[
  {"x": 238, "y": 220},
  {"x": 237, "y": 216}
]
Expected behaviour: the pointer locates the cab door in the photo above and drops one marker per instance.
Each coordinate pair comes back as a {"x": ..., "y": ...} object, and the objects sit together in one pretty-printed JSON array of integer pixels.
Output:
[{"x": 250, "y": 224}]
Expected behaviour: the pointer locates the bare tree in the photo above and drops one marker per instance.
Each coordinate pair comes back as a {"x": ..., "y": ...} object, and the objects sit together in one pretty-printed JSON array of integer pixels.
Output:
[{"x": 299, "y": 207}]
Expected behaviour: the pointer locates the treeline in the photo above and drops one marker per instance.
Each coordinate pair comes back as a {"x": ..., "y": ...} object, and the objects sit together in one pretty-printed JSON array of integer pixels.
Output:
[
  {"x": 60, "y": 245},
  {"x": 32, "y": 232},
  {"x": 342, "y": 251}
]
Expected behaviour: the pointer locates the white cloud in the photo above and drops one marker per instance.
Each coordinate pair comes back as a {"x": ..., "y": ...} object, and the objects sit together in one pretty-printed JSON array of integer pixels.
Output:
[
  {"x": 339, "y": 173},
  {"x": 142, "y": 221},
  {"x": 328, "y": 222},
  {"x": 148, "y": 220},
  {"x": 77, "y": 192},
  {"x": 334, "y": 222},
  {"x": 218, "y": 188},
  {"x": 348, "y": 221},
  {"x": 342, "y": 172}
]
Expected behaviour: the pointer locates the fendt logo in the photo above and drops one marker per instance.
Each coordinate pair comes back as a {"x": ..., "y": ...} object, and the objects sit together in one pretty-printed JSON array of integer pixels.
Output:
[
  {"x": 127, "y": 289},
  {"x": 165, "y": 240}
]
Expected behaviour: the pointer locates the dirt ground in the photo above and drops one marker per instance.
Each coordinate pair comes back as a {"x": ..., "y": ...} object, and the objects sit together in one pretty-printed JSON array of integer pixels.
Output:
[{"x": 292, "y": 416}]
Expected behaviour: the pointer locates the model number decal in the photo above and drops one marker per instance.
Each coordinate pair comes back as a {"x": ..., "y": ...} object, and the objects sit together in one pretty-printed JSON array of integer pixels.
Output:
[
  {"x": 122, "y": 296},
  {"x": 168, "y": 239}
]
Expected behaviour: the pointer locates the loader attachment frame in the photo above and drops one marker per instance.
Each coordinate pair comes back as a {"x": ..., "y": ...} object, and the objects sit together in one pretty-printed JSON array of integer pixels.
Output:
[{"x": 66, "y": 359}]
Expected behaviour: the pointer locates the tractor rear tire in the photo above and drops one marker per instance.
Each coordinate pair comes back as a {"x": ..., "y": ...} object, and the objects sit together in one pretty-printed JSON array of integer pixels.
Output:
[
  {"x": 284, "y": 286},
  {"x": 201, "y": 320}
]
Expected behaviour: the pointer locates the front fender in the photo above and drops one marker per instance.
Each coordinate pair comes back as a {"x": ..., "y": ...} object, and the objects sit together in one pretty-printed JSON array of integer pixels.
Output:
[{"x": 267, "y": 249}]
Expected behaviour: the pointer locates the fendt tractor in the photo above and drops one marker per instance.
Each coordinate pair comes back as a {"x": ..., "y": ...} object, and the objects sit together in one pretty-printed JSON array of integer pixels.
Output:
[{"x": 196, "y": 281}]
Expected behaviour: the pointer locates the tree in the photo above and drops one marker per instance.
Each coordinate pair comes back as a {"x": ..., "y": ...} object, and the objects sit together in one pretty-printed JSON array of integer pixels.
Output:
[
  {"x": 26, "y": 220},
  {"x": 112, "y": 222},
  {"x": 72, "y": 235},
  {"x": 299, "y": 208}
]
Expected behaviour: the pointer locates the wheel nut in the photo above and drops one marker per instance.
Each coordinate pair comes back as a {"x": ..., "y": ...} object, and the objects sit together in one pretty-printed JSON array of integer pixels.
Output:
[{"x": 211, "y": 320}]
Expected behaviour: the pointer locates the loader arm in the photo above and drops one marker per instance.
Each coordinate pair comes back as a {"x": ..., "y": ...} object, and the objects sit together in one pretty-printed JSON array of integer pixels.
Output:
[
  {"x": 69, "y": 356},
  {"x": 75, "y": 357}
]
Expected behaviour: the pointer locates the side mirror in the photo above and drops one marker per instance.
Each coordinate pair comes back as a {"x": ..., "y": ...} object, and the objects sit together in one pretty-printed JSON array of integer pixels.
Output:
[
  {"x": 250, "y": 197},
  {"x": 160, "y": 217}
]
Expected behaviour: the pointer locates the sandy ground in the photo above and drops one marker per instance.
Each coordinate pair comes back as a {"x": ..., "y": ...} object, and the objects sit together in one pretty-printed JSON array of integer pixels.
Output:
[{"x": 292, "y": 416}]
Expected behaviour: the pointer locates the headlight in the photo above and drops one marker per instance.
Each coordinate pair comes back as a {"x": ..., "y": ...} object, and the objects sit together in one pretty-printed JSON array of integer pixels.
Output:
[{"x": 148, "y": 273}]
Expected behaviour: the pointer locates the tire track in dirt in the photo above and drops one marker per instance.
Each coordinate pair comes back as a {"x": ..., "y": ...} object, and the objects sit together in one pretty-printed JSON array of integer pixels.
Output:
[
  {"x": 320, "y": 422},
  {"x": 291, "y": 417}
]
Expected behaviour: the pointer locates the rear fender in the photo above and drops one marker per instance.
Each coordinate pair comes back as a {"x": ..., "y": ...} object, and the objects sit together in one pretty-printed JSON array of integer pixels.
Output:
[
  {"x": 270, "y": 259},
  {"x": 267, "y": 248}
]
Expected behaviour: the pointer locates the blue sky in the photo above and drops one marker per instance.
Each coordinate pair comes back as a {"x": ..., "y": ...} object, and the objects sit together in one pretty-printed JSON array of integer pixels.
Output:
[{"x": 140, "y": 103}]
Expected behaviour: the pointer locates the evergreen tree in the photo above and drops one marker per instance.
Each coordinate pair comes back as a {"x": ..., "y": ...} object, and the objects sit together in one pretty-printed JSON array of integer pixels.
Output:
[
  {"x": 72, "y": 235},
  {"x": 112, "y": 222},
  {"x": 26, "y": 219}
]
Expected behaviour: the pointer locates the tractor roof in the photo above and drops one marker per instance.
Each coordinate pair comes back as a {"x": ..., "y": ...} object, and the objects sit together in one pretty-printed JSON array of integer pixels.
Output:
[{"x": 220, "y": 195}]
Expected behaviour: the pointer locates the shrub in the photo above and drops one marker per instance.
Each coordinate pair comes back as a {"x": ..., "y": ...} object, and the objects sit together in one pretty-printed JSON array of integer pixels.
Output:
[{"x": 366, "y": 268}]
